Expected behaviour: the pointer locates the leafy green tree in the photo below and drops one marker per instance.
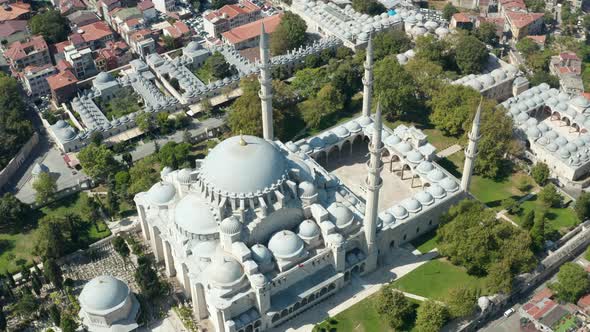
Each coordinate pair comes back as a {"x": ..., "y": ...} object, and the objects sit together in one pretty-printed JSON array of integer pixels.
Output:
[
  {"x": 449, "y": 10},
  {"x": 461, "y": 301},
  {"x": 50, "y": 241},
  {"x": 127, "y": 158},
  {"x": 572, "y": 282},
  {"x": 308, "y": 82},
  {"x": 346, "y": 79},
  {"x": 55, "y": 314},
  {"x": 142, "y": 176},
  {"x": 527, "y": 46},
  {"x": 370, "y": 7},
  {"x": 496, "y": 141},
  {"x": 511, "y": 205},
  {"x": 170, "y": 43},
  {"x": 45, "y": 187},
  {"x": 147, "y": 278},
  {"x": 487, "y": 33},
  {"x": 289, "y": 35},
  {"x": 145, "y": 122},
  {"x": 500, "y": 277},
  {"x": 431, "y": 316},
  {"x": 538, "y": 232},
  {"x": 394, "y": 307},
  {"x": 96, "y": 138},
  {"x": 529, "y": 220},
  {"x": 36, "y": 285},
  {"x": 206, "y": 106},
  {"x": 540, "y": 173},
  {"x": 218, "y": 67},
  {"x": 428, "y": 76},
  {"x": 53, "y": 273},
  {"x": 68, "y": 324},
  {"x": 541, "y": 76},
  {"x": 470, "y": 54},
  {"x": 429, "y": 47},
  {"x": 121, "y": 248},
  {"x": 327, "y": 101},
  {"x": 15, "y": 127},
  {"x": 398, "y": 96},
  {"x": 388, "y": 42},
  {"x": 12, "y": 210},
  {"x": 452, "y": 108},
  {"x": 27, "y": 305},
  {"x": 97, "y": 161},
  {"x": 216, "y": 4},
  {"x": 2, "y": 320},
  {"x": 51, "y": 25},
  {"x": 550, "y": 197},
  {"x": 582, "y": 206},
  {"x": 174, "y": 154}
]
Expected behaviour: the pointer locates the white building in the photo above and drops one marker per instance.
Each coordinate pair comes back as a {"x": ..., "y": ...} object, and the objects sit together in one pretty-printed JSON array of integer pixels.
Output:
[
  {"x": 164, "y": 6},
  {"x": 34, "y": 80},
  {"x": 81, "y": 61}
]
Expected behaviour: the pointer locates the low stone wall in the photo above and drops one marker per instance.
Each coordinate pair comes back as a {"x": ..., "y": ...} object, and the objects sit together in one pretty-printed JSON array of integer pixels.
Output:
[{"x": 15, "y": 163}]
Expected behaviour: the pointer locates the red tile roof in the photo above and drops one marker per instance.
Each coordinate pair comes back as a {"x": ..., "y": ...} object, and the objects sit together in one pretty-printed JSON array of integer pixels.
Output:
[
  {"x": 513, "y": 4},
  {"x": 61, "y": 80},
  {"x": 231, "y": 11},
  {"x": 540, "y": 39},
  {"x": 9, "y": 28},
  {"x": 544, "y": 293},
  {"x": 569, "y": 56},
  {"x": 59, "y": 47},
  {"x": 144, "y": 5},
  {"x": 584, "y": 301},
  {"x": 63, "y": 65},
  {"x": 15, "y": 10},
  {"x": 19, "y": 50},
  {"x": 461, "y": 18},
  {"x": 95, "y": 31},
  {"x": 178, "y": 29},
  {"x": 521, "y": 20},
  {"x": 252, "y": 30},
  {"x": 71, "y": 4}
]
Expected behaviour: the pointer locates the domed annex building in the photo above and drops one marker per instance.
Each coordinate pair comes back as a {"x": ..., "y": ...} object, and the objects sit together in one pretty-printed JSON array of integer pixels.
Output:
[
  {"x": 259, "y": 231},
  {"x": 107, "y": 304}
]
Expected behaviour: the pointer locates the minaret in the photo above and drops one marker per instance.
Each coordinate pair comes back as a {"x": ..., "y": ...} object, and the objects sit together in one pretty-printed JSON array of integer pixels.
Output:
[
  {"x": 265, "y": 93},
  {"x": 471, "y": 151},
  {"x": 368, "y": 79},
  {"x": 373, "y": 185}
]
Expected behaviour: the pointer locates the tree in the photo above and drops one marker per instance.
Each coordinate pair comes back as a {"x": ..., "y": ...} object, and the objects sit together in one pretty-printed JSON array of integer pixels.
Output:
[
  {"x": 461, "y": 301},
  {"x": 487, "y": 33},
  {"x": 45, "y": 187},
  {"x": 529, "y": 220},
  {"x": 428, "y": 76},
  {"x": 16, "y": 128},
  {"x": 142, "y": 176},
  {"x": 511, "y": 205},
  {"x": 68, "y": 324},
  {"x": 89, "y": 208},
  {"x": 538, "y": 233},
  {"x": 145, "y": 122},
  {"x": 541, "y": 76},
  {"x": 98, "y": 161},
  {"x": 147, "y": 278},
  {"x": 328, "y": 101},
  {"x": 500, "y": 277},
  {"x": 346, "y": 79},
  {"x": 55, "y": 314},
  {"x": 121, "y": 247},
  {"x": 307, "y": 82},
  {"x": 206, "y": 106},
  {"x": 170, "y": 43},
  {"x": 51, "y": 25},
  {"x": 217, "y": 67},
  {"x": 572, "y": 282},
  {"x": 431, "y": 316},
  {"x": 173, "y": 154},
  {"x": 26, "y": 305},
  {"x": 549, "y": 196},
  {"x": 2, "y": 320},
  {"x": 431, "y": 48},
  {"x": 36, "y": 285},
  {"x": 527, "y": 46},
  {"x": 12, "y": 210},
  {"x": 370, "y": 7},
  {"x": 53, "y": 273},
  {"x": 216, "y": 4},
  {"x": 540, "y": 173},
  {"x": 50, "y": 240},
  {"x": 394, "y": 307},
  {"x": 398, "y": 96},
  {"x": 449, "y": 10},
  {"x": 290, "y": 34},
  {"x": 582, "y": 206},
  {"x": 470, "y": 54},
  {"x": 127, "y": 158},
  {"x": 496, "y": 141},
  {"x": 452, "y": 108},
  {"x": 390, "y": 41}
]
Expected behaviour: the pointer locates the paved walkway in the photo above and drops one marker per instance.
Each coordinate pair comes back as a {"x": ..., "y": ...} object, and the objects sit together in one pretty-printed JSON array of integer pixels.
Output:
[
  {"x": 502, "y": 214},
  {"x": 401, "y": 262},
  {"x": 449, "y": 151}
]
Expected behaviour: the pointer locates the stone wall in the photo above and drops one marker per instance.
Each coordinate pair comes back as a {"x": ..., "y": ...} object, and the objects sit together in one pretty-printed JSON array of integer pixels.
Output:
[{"x": 15, "y": 163}]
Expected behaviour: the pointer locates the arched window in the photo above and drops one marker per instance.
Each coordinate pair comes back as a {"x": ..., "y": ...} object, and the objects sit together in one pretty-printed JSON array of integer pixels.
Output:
[
  {"x": 284, "y": 313},
  {"x": 275, "y": 318}
]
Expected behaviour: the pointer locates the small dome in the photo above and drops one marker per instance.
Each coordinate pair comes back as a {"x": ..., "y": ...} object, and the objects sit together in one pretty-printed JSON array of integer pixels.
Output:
[
  {"x": 340, "y": 215},
  {"x": 437, "y": 191},
  {"x": 551, "y": 135},
  {"x": 403, "y": 147},
  {"x": 399, "y": 212},
  {"x": 483, "y": 303},
  {"x": 552, "y": 147},
  {"x": 231, "y": 225},
  {"x": 564, "y": 153},
  {"x": 103, "y": 77},
  {"x": 285, "y": 245},
  {"x": 161, "y": 193},
  {"x": 365, "y": 121},
  {"x": 581, "y": 101},
  {"x": 425, "y": 167},
  {"x": 571, "y": 147},
  {"x": 353, "y": 126},
  {"x": 292, "y": 147},
  {"x": 341, "y": 132},
  {"x": 387, "y": 218},
  {"x": 308, "y": 230},
  {"x": 415, "y": 156},
  {"x": 184, "y": 176},
  {"x": 436, "y": 175},
  {"x": 261, "y": 254},
  {"x": 393, "y": 140},
  {"x": 561, "y": 141},
  {"x": 165, "y": 171},
  {"x": 533, "y": 132},
  {"x": 449, "y": 185},
  {"x": 424, "y": 197},
  {"x": 224, "y": 271},
  {"x": 307, "y": 190},
  {"x": 60, "y": 124},
  {"x": 412, "y": 205},
  {"x": 103, "y": 294}
]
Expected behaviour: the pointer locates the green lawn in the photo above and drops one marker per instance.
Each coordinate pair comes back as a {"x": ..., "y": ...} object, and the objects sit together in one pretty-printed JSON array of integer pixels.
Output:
[
  {"x": 16, "y": 246},
  {"x": 559, "y": 219},
  {"x": 435, "y": 278},
  {"x": 425, "y": 242},
  {"x": 361, "y": 317}
]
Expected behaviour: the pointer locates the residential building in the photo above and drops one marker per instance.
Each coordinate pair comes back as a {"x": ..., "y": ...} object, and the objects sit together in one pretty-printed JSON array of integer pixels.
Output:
[
  {"x": 104, "y": 7},
  {"x": 82, "y": 18},
  {"x": 63, "y": 86},
  {"x": 505, "y": 6},
  {"x": 497, "y": 20},
  {"x": 143, "y": 42},
  {"x": 34, "y": 80},
  {"x": 131, "y": 26},
  {"x": 461, "y": 21},
  {"x": 15, "y": 11},
  {"x": 81, "y": 61},
  {"x": 67, "y": 7},
  {"x": 539, "y": 40},
  {"x": 543, "y": 311},
  {"x": 179, "y": 30},
  {"x": 524, "y": 24},
  {"x": 12, "y": 31},
  {"x": 147, "y": 9},
  {"x": 119, "y": 16},
  {"x": 229, "y": 17},
  {"x": 114, "y": 55},
  {"x": 32, "y": 52},
  {"x": 248, "y": 35},
  {"x": 164, "y": 6},
  {"x": 567, "y": 66},
  {"x": 94, "y": 35}
]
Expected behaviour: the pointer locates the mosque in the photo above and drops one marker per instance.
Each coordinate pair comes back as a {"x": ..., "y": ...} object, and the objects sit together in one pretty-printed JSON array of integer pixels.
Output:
[{"x": 260, "y": 231}]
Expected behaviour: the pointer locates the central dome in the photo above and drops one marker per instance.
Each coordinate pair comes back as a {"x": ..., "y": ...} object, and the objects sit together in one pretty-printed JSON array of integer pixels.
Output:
[
  {"x": 244, "y": 165},
  {"x": 103, "y": 293}
]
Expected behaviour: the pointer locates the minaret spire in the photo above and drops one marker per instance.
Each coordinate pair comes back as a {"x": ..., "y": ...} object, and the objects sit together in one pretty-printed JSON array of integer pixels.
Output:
[
  {"x": 265, "y": 93},
  {"x": 471, "y": 151},
  {"x": 373, "y": 185},
  {"x": 368, "y": 79}
]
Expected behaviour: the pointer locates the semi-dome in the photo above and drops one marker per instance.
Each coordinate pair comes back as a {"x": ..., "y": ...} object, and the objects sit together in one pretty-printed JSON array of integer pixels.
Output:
[
  {"x": 224, "y": 271},
  {"x": 103, "y": 294},
  {"x": 230, "y": 225},
  {"x": 307, "y": 190},
  {"x": 194, "y": 216},
  {"x": 161, "y": 193},
  {"x": 340, "y": 215},
  {"x": 261, "y": 254},
  {"x": 308, "y": 229},
  {"x": 285, "y": 245},
  {"x": 245, "y": 164}
]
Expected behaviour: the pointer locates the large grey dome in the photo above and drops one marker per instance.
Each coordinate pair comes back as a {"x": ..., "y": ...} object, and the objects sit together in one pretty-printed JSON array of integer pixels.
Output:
[
  {"x": 194, "y": 216},
  {"x": 103, "y": 293},
  {"x": 285, "y": 244},
  {"x": 244, "y": 165}
]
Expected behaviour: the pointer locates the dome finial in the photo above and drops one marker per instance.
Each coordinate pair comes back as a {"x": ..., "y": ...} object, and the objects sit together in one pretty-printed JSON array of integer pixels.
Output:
[{"x": 242, "y": 141}]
